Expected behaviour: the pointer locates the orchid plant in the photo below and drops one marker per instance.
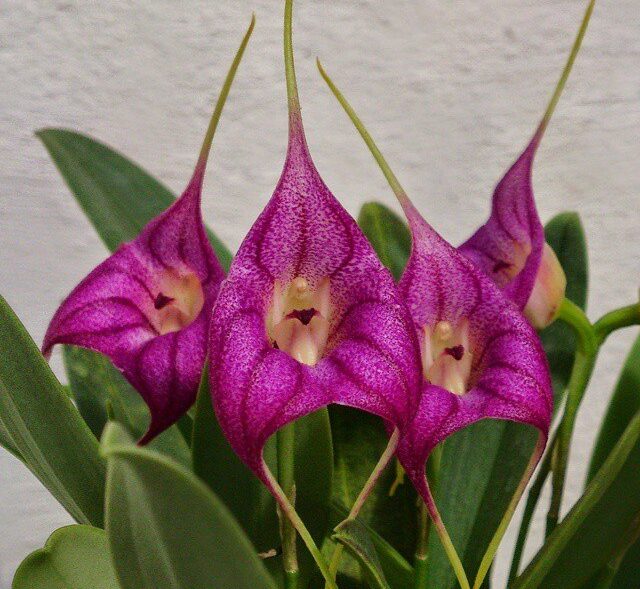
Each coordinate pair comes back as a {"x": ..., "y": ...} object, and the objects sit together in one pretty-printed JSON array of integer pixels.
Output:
[{"x": 341, "y": 403}]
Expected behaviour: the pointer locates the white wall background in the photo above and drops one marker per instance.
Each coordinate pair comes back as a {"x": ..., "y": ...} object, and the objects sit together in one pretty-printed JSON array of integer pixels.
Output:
[{"x": 451, "y": 90}]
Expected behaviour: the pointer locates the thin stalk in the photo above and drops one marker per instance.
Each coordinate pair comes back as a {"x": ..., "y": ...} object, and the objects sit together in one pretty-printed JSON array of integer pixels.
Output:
[
  {"x": 289, "y": 510},
  {"x": 422, "y": 543},
  {"x": 285, "y": 438},
  {"x": 489, "y": 555},
  {"x": 584, "y": 363},
  {"x": 532, "y": 501},
  {"x": 616, "y": 319},
  {"x": 373, "y": 479},
  {"x": 443, "y": 534}
]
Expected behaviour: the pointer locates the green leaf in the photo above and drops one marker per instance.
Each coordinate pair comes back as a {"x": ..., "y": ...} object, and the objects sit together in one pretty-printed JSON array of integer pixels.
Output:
[
  {"x": 396, "y": 569},
  {"x": 359, "y": 440},
  {"x": 624, "y": 404},
  {"x": 45, "y": 427},
  {"x": 167, "y": 529},
  {"x": 355, "y": 538},
  {"x": 7, "y": 442},
  {"x": 74, "y": 557},
  {"x": 585, "y": 540},
  {"x": 215, "y": 462},
  {"x": 388, "y": 234},
  {"x": 118, "y": 197},
  {"x": 565, "y": 234},
  {"x": 95, "y": 382},
  {"x": 480, "y": 469}
]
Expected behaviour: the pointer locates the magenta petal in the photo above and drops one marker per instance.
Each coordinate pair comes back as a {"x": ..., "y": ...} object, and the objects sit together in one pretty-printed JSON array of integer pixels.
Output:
[
  {"x": 114, "y": 309},
  {"x": 508, "y": 247},
  {"x": 509, "y": 377},
  {"x": 370, "y": 359}
]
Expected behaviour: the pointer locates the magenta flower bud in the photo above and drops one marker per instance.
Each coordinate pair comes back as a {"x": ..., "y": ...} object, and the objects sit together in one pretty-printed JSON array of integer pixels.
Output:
[{"x": 147, "y": 307}]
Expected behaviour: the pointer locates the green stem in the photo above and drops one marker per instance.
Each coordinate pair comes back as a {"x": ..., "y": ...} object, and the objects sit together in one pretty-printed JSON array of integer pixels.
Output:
[
  {"x": 382, "y": 464},
  {"x": 616, "y": 319},
  {"x": 285, "y": 438},
  {"x": 487, "y": 559},
  {"x": 288, "y": 510},
  {"x": 584, "y": 363},
  {"x": 422, "y": 543},
  {"x": 532, "y": 501}
]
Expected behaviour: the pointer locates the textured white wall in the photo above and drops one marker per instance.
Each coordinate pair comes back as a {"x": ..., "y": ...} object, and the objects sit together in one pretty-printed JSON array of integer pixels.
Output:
[{"x": 451, "y": 91}]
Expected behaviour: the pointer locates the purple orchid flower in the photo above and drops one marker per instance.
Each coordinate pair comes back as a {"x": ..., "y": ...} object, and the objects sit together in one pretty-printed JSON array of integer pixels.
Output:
[
  {"x": 147, "y": 307},
  {"x": 307, "y": 316},
  {"x": 480, "y": 357},
  {"x": 510, "y": 247}
]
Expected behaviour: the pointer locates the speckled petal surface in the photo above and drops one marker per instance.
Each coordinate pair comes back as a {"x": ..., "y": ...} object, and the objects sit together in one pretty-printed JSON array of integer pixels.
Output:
[
  {"x": 371, "y": 360},
  {"x": 508, "y": 247},
  {"x": 113, "y": 310},
  {"x": 509, "y": 376}
]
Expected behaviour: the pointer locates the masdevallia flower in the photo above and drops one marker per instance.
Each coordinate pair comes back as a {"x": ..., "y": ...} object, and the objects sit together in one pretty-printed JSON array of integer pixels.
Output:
[
  {"x": 308, "y": 315},
  {"x": 147, "y": 307},
  {"x": 510, "y": 247},
  {"x": 480, "y": 357}
]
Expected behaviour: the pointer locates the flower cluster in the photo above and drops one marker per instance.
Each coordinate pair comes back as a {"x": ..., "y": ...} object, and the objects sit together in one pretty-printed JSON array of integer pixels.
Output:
[{"x": 308, "y": 316}]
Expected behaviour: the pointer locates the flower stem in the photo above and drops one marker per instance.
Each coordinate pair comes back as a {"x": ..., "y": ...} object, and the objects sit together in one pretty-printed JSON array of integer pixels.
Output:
[
  {"x": 584, "y": 363},
  {"x": 532, "y": 501},
  {"x": 383, "y": 462},
  {"x": 422, "y": 544},
  {"x": 288, "y": 510},
  {"x": 285, "y": 439},
  {"x": 445, "y": 539},
  {"x": 489, "y": 555},
  {"x": 616, "y": 319}
]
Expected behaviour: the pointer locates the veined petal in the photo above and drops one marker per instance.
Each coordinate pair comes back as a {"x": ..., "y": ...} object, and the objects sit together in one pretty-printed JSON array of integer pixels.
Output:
[
  {"x": 509, "y": 246},
  {"x": 508, "y": 376},
  {"x": 147, "y": 307},
  {"x": 307, "y": 315}
]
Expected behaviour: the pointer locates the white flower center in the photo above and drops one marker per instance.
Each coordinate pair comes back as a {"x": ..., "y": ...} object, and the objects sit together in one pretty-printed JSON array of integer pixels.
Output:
[
  {"x": 178, "y": 302},
  {"x": 446, "y": 356},
  {"x": 298, "y": 321}
]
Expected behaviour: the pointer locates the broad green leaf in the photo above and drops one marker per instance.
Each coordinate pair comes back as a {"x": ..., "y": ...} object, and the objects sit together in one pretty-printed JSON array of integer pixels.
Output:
[
  {"x": 388, "y": 234},
  {"x": 624, "y": 404},
  {"x": 359, "y": 439},
  {"x": 7, "y": 442},
  {"x": 95, "y": 382},
  {"x": 167, "y": 529},
  {"x": 74, "y": 557},
  {"x": 565, "y": 234},
  {"x": 45, "y": 427},
  {"x": 480, "y": 469},
  {"x": 583, "y": 543},
  {"x": 355, "y": 537},
  {"x": 397, "y": 570},
  {"x": 118, "y": 197},
  {"x": 216, "y": 463}
]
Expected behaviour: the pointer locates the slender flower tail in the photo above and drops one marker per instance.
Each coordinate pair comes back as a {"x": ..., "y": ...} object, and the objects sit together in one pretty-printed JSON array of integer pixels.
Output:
[
  {"x": 565, "y": 72},
  {"x": 489, "y": 555},
  {"x": 373, "y": 479},
  {"x": 290, "y": 512},
  {"x": 424, "y": 490}
]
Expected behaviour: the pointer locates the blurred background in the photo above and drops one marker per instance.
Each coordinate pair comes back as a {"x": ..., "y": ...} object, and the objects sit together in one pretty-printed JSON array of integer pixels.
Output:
[{"x": 452, "y": 92}]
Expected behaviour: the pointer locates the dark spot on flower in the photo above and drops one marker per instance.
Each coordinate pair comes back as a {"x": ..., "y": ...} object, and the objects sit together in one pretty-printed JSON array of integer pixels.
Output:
[
  {"x": 275, "y": 345},
  {"x": 456, "y": 352},
  {"x": 162, "y": 301},
  {"x": 305, "y": 316},
  {"x": 501, "y": 265}
]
